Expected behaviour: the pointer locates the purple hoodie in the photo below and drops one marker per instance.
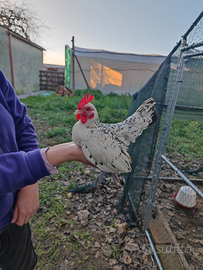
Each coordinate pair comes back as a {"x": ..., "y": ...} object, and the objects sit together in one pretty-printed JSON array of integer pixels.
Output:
[{"x": 21, "y": 163}]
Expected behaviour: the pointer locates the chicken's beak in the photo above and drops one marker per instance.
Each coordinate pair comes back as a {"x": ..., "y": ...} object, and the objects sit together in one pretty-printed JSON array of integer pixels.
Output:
[{"x": 77, "y": 111}]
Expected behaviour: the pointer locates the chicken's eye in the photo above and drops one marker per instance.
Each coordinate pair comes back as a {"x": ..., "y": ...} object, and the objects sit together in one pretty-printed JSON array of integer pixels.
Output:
[{"x": 88, "y": 109}]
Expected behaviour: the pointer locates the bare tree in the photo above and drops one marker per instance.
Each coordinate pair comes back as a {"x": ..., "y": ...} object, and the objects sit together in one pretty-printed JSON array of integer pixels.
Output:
[{"x": 21, "y": 19}]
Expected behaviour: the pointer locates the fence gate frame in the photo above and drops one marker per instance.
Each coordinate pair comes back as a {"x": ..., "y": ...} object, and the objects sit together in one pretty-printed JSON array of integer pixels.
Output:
[{"x": 165, "y": 134}]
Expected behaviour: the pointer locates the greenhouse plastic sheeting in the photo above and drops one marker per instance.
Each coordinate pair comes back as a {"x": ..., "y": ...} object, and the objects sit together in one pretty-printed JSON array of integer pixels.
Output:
[{"x": 114, "y": 72}]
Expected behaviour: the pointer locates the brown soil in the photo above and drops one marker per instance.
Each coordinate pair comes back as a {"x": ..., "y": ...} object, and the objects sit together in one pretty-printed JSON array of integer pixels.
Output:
[{"x": 186, "y": 225}]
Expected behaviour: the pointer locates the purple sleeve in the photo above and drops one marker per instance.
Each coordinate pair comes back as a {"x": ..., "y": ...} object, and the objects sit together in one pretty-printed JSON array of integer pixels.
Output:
[
  {"x": 19, "y": 169},
  {"x": 26, "y": 137},
  {"x": 21, "y": 163},
  {"x": 50, "y": 168}
]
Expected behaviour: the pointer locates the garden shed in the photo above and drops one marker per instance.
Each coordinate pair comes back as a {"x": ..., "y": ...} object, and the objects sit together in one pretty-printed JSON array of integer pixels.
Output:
[{"x": 20, "y": 60}]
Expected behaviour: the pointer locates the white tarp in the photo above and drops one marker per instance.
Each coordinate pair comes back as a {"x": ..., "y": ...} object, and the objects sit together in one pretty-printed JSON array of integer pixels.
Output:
[{"x": 114, "y": 72}]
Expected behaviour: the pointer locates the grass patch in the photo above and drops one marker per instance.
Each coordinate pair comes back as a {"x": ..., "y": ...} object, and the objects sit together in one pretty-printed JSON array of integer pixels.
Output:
[
  {"x": 60, "y": 110},
  {"x": 186, "y": 138}
]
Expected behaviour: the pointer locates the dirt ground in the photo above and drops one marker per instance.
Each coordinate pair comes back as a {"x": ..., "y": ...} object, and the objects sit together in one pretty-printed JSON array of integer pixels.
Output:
[
  {"x": 115, "y": 245},
  {"x": 112, "y": 244},
  {"x": 186, "y": 225}
]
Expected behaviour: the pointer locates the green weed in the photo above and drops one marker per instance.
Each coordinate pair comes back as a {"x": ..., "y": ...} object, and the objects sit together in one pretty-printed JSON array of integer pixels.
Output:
[{"x": 115, "y": 251}]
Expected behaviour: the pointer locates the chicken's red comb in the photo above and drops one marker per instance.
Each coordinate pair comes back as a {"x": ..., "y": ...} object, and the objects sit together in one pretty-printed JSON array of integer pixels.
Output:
[{"x": 86, "y": 99}]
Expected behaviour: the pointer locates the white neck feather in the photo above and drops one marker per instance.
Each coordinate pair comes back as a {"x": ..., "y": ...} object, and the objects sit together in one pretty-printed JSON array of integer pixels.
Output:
[{"x": 94, "y": 122}]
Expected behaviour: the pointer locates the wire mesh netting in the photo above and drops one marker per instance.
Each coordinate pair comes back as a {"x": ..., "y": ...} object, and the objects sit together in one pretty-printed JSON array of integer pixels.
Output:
[
  {"x": 142, "y": 151},
  {"x": 161, "y": 195}
]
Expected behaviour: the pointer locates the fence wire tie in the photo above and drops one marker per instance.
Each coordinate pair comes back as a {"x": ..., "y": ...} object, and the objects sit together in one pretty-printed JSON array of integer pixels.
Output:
[{"x": 151, "y": 202}]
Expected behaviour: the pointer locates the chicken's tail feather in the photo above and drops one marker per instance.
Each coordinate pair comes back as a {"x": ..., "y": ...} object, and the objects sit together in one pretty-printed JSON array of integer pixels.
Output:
[
  {"x": 155, "y": 118},
  {"x": 147, "y": 108}
]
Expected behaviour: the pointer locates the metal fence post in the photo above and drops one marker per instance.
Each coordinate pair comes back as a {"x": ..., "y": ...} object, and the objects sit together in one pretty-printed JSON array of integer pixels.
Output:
[{"x": 165, "y": 134}]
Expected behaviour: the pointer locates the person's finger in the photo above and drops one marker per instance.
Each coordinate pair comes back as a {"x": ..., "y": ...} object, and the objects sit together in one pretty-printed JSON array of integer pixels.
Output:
[
  {"x": 15, "y": 215},
  {"x": 21, "y": 219},
  {"x": 27, "y": 218}
]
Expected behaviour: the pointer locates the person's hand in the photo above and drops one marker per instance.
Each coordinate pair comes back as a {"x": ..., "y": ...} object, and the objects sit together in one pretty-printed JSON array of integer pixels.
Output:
[
  {"x": 65, "y": 152},
  {"x": 78, "y": 154},
  {"x": 26, "y": 205}
]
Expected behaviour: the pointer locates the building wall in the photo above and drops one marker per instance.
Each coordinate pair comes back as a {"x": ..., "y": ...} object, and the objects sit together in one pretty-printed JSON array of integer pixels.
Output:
[
  {"x": 27, "y": 61},
  {"x": 5, "y": 64}
]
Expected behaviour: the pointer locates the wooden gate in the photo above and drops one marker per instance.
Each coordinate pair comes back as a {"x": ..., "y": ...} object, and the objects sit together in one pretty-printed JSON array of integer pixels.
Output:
[{"x": 50, "y": 80}]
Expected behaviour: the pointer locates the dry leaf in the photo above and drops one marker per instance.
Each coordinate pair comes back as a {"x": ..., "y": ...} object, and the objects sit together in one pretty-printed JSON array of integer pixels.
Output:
[
  {"x": 201, "y": 242},
  {"x": 108, "y": 239},
  {"x": 121, "y": 227},
  {"x": 106, "y": 250},
  {"x": 71, "y": 263},
  {"x": 97, "y": 245},
  {"x": 63, "y": 222},
  {"x": 117, "y": 267},
  {"x": 126, "y": 258},
  {"x": 112, "y": 230},
  {"x": 58, "y": 197},
  {"x": 52, "y": 220},
  {"x": 112, "y": 261},
  {"x": 131, "y": 246},
  {"x": 75, "y": 218},
  {"x": 97, "y": 255},
  {"x": 83, "y": 217},
  {"x": 120, "y": 240}
]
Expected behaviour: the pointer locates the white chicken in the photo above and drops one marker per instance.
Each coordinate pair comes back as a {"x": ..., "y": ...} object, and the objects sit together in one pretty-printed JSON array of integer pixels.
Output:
[{"x": 105, "y": 145}]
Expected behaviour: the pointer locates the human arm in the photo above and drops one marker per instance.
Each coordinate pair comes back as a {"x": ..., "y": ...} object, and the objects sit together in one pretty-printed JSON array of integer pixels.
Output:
[
  {"x": 27, "y": 200},
  {"x": 65, "y": 152},
  {"x": 19, "y": 153},
  {"x": 20, "y": 169},
  {"x": 27, "y": 203},
  {"x": 21, "y": 163}
]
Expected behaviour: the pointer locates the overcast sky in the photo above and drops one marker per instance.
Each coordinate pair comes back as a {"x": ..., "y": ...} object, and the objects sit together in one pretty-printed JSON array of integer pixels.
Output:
[{"x": 131, "y": 26}]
